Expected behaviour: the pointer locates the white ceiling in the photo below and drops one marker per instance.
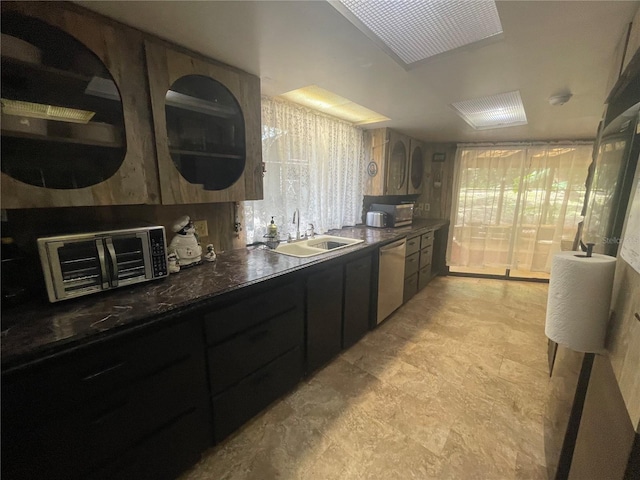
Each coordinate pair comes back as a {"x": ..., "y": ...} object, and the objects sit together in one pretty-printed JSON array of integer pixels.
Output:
[{"x": 546, "y": 47}]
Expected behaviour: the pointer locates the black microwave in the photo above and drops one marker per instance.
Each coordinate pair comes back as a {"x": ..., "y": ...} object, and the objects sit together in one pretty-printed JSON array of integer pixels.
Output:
[{"x": 81, "y": 264}]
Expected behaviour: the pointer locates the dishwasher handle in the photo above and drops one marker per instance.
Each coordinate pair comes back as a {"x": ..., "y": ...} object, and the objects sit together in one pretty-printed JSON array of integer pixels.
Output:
[{"x": 387, "y": 249}]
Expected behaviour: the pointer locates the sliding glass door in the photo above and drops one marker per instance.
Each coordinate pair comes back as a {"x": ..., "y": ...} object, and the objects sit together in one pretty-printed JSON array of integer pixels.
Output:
[{"x": 515, "y": 206}]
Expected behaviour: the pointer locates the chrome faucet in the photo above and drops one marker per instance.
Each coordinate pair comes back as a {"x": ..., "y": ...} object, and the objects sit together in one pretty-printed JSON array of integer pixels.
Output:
[{"x": 296, "y": 220}]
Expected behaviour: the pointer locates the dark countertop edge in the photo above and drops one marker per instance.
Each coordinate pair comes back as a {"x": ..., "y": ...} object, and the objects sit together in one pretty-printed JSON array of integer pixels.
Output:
[{"x": 12, "y": 363}]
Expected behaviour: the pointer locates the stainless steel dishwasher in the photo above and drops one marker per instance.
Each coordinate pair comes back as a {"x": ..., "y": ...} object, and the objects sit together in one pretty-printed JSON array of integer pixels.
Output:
[{"x": 390, "y": 278}]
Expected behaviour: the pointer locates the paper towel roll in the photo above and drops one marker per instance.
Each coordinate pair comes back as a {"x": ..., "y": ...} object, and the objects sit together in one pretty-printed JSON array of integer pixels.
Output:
[{"x": 579, "y": 300}]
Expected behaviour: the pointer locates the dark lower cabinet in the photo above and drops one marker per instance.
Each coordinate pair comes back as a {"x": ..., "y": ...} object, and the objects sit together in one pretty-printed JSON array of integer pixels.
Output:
[
  {"x": 410, "y": 287},
  {"x": 146, "y": 404},
  {"x": 170, "y": 451},
  {"x": 324, "y": 316},
  {"x": 255, "y": 353},
  {"x": 82, "y": 413},
  {"x": 238, "y": 404},
  {"x": 357, "y": 300}
]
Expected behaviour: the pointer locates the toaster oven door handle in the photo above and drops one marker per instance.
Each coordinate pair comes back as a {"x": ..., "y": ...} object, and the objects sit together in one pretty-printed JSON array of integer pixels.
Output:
[
  {"x": 104, "y": 283},
  {"x": 114, "y": 261}
]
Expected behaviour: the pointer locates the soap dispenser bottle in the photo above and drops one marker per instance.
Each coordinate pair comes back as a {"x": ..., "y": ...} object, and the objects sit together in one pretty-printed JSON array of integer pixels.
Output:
[{"x": 272, "y": 230}]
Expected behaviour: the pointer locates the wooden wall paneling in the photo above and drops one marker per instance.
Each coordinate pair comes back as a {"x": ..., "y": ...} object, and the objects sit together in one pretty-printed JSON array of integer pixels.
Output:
[
  {"x": 253, "y": 178},
  {"x": 120, "y": 49},
  {"x": 165, "y": 65},
  {"x": 376, "y": 146},
  {"x": 439, "y": 199}
]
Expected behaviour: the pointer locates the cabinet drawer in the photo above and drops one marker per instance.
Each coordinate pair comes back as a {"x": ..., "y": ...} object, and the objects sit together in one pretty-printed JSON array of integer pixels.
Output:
[
  {"x": 240, "y": 403},
  {"x": 424, "y": 277},
  {"x": 225, "y": 322},
  {"x": 68, "y": 445},
  {"x": 67, "y": 383},
  {"x": 231, "y": 361},
  {"x": 413, "y": 245},
  {"x": 410, "y": 287},
  {"x": 425, "y": 257},
  {"x": 411, "y": 264},
  {"x": 426, "y": 239},
  {"x": 163, "y": 456}
]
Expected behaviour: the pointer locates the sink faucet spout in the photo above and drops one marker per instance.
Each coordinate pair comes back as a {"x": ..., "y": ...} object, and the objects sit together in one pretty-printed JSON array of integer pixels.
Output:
[{"x": 296, "y": 220}]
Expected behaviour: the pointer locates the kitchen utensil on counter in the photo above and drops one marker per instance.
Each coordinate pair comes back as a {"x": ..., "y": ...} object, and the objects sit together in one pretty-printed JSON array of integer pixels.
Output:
[
  {"x": 376, "y": 219},
  {"x": 185, "y": 244}
]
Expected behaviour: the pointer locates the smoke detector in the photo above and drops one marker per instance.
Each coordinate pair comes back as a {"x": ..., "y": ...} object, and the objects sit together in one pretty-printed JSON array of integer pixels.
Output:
[{"x": 560, "y": 99}]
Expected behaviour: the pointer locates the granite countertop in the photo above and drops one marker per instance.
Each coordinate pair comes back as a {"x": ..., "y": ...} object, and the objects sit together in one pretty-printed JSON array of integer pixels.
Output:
[{"x": 41, "y": 329}]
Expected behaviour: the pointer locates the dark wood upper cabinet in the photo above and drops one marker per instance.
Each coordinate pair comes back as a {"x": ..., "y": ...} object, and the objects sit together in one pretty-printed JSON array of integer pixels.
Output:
[
  {"x": 205, "y": 130},
  {"x": 387, "y": 157},
  {"x": 82, "y": 97},
  {"x": 207, "y": 125},
  {"x": 74, "y": 129}
]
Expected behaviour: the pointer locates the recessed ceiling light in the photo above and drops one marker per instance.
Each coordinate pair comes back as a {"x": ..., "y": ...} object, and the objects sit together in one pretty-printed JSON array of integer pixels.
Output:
[
  {"x": 327, "y": 102},
  {"x": 412, "y": 31},
  {"x": 494, "y": 111}
]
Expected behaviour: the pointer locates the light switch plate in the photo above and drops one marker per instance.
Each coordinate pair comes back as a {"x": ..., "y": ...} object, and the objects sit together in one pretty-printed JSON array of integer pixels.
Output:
[
  {"x": 426, "y": 207},
  {"x": 202, "y": 230}
]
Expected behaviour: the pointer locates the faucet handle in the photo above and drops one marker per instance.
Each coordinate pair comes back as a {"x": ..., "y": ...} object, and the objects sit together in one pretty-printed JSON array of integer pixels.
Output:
[{"x": 311, "y": 232}]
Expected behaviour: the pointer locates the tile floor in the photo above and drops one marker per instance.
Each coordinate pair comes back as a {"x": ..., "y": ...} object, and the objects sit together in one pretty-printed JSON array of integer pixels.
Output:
[{"x": 451, "y": 386}]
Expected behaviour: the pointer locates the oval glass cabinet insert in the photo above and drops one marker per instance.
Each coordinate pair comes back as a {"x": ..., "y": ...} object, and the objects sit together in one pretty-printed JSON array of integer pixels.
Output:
[
  {"x": 205, "y": 132},
  {"x": 397, "y": 168},
  {"x": 417, "y": 169},
  {"x": 62, "y": 115}
]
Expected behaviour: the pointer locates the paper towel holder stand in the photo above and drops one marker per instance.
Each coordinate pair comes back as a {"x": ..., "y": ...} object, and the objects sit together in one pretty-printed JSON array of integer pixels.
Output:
[{"x": 589, "y": 250}]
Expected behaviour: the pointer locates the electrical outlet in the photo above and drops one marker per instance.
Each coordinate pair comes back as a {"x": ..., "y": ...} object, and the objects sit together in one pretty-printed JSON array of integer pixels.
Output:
[
  {"x": 426, "y": 207},
  {"x": 202, "y": 229}
]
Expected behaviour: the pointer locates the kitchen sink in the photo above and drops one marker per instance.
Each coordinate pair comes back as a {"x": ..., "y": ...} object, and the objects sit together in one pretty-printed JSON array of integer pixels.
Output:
[{"x": 315, "y": 246}]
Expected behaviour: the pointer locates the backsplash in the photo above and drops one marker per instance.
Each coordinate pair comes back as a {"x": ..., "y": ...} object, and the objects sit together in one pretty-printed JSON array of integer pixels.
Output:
[{"x": 28, "y": 224}]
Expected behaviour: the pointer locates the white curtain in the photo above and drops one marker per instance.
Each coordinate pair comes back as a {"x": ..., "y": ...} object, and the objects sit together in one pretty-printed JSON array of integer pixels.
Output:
[
  {"x": 515, "y": 206},
  {"x": 314, "y": 163}
]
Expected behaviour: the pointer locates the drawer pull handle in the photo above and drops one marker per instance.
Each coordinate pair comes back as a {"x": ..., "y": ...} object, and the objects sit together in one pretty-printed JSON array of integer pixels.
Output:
[
  {"x": 95, "y": 375},
  {"x": 254, "y": 337},
  {"x": 260, "y": 378},
  {"x": 101, "y": 417}
]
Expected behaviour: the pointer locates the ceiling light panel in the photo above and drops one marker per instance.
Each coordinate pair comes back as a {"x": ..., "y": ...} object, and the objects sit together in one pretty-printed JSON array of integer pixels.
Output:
[
  {"x": 318, "y": 98},
  {"x": 494, "y": 111},
  {"x": 417, "y": 30}
]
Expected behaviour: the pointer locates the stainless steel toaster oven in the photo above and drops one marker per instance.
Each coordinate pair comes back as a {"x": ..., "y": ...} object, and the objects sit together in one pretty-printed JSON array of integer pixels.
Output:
[
  {"x": 396, "y": 215},
  {"x": 81, "y": 264}
]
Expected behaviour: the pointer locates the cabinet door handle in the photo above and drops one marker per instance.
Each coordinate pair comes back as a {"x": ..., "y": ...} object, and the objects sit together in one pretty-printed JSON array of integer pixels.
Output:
[
  {"x": 94, "y": 375},
  {"x": 103, "y": 265},
  {"x": 254, "y": 337},
  {"x": 114, "y": 261}
]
